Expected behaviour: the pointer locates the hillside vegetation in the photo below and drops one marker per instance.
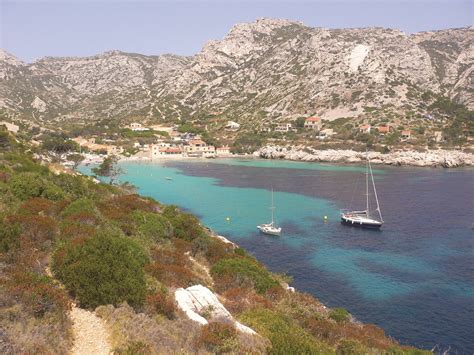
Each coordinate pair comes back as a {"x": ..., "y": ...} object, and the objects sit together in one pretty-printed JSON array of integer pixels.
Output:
[{"x": 125, "y": 255}]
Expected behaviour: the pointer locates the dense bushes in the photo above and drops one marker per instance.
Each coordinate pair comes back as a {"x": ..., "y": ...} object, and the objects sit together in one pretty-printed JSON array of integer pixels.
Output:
[
  {"x": 27, "y": 184},
  {"x": 38, "y": 294},
  {"x": 9, "y": 234},
  {"x": 218, "y": 337},
  {"x": 238, "y": 272},
  {"x": 104, "y": 269},
  {"x": 339, "y": 315},
  {"x": 185, "y": 226},
  {"x": 152, "y": 226},
  {"x": 285, "y": 336},
  {"x": 172, "y": 267}
]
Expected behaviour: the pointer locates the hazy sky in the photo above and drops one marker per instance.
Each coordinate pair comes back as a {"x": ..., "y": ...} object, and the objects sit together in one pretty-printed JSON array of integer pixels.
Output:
[{"x": 33, "y": 29}]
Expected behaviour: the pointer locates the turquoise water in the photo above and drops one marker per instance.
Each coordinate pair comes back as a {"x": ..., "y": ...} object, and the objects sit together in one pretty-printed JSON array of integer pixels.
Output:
[{"x": 413, "y": 278}]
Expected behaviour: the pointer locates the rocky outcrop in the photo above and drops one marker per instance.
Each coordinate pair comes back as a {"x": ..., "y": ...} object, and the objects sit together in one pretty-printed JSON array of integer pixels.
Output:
[
  {"x": 198, "y": 301},
  {"x": 430, "y": 158},
  {"x": 266, "y": 70}
]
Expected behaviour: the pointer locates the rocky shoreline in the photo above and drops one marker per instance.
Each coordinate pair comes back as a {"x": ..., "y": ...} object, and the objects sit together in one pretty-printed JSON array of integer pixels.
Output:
[{"x": 430, "y": 158}]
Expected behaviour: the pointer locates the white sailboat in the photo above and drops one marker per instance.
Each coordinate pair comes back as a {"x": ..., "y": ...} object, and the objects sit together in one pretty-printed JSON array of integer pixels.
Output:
[
  {"x": 364, "y": 219},
  {"x": 270, "y": 228}
]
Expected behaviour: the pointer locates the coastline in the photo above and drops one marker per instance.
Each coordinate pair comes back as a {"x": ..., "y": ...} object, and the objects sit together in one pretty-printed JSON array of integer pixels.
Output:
[
  {"x": 430, "y": 158},
  {"x": 409, "y": 158}
]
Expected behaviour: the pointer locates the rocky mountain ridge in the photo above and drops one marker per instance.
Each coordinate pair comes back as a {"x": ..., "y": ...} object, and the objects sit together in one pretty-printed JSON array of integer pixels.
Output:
[{"x": 264, "y": 71}]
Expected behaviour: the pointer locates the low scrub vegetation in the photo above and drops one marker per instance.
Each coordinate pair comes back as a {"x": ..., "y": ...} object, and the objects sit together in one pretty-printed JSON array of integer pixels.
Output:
[
  {"x": 242, "y": 272},
  {"x": 65, "y": 238}
]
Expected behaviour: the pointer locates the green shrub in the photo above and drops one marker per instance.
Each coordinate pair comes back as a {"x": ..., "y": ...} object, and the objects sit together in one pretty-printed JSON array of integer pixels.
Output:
[
  {"x": 185, "y": 226},
  {"x": 152, "y": 225},
  {"x": 52, "y": 192},
  {"x": 105, "y": 269},
  {"x": 351, "y": 347},
  {"x": 72, "y": 185},
  {"x": 28, "y": 184},
  {"x": 23, "y": 163},
  {"x": 236, "y": 272},
  {"x": 78, "y": 206},
  {"x": 339, "y": 315},
  {"x": 285, "y": 336},
  {"x": 9, "y": 236}
]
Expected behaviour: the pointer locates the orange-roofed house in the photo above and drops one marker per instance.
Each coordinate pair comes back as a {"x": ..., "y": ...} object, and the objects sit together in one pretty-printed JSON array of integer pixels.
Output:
[
  {"x": 313, "y": 123},
  {"x": 365, "y": 128},
  {"x": 165, "y": 150},
  {"x": 383, "y": 130}
]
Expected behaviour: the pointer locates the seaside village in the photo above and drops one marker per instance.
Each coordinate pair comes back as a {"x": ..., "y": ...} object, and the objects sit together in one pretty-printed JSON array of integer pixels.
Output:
[
  {"x": 140, "y": 141},
  {"x": 173, "y": 144}
]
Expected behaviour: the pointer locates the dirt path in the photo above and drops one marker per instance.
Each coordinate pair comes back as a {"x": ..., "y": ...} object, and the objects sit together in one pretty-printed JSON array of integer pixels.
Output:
[{"x": 90, "y": 333}]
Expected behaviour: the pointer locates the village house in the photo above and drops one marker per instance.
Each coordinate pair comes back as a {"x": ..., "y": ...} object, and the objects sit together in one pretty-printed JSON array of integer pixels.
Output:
[
  {"x": 326, "y": 133},
  {"x": 265, "y": 129},
  {"x": 164, "y": 150},
  {"x": 365, "y": 128},
  {"x": 283, "y": 127},
  {"x": 313, "y": 123},
  {"x": 223, "y": 151},
  {"x": 10, "y": 127},
  {"x": 113, "y": 150},
  {"x": 233, "y": 126},
  {"x": 137, "y": 127},
  {"x": 383, "y": 130},
  {"x": 438, "y": 136},
  {"x": 406, "y": 135},
  {"x": 199, "y": 148},
  {"x": 84, "y": 141}
]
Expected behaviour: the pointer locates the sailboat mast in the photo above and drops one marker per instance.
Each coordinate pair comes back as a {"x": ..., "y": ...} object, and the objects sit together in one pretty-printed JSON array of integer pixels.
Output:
[
  {"x": 375, "y": 191},
  {"x": 367, "y": 182},
  {"x": 272, "y": 207}
]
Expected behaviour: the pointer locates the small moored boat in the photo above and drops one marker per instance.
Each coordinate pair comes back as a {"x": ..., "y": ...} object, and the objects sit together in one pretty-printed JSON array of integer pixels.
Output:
[{"x": 270, "y": 228}]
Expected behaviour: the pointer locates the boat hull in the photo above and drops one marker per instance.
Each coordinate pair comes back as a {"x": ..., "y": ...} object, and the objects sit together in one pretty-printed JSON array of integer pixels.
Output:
[
  {"x": 269, "y": 230},
  {"x": 361, "y": 224}
]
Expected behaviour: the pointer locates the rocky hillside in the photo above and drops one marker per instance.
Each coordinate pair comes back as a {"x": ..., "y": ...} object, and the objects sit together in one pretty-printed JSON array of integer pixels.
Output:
[
  {"x": 263, "y": 71},
  {"x": 73, "y": 250}
]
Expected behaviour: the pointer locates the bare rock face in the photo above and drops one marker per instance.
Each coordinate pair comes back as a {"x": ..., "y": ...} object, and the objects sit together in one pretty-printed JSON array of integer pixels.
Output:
[
  {"x": 433, "y": 158},
  {"x": 260, "y": 71},
  {"x": 197, "y": 301}
]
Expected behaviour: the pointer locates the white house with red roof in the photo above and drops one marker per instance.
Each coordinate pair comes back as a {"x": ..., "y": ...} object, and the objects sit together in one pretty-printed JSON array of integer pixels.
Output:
[
  {"x": 223, "y": 151},
  {"x": 365, "y": 128},
  {"x": 313, "y": 123},
  {"x": 166, "y": 150}
]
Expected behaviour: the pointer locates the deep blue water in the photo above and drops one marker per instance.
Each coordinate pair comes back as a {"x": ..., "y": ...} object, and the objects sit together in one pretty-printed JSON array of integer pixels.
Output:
[{"x": 414, "y": 278}]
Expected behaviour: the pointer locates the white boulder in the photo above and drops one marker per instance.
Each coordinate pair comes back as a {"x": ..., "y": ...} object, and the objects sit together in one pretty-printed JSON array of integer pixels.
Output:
[{"x": 197, "y": 300}]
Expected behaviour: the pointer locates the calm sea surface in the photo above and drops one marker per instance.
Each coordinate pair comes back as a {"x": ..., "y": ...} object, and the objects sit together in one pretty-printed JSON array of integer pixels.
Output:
[{"x": 414, "y": 278}]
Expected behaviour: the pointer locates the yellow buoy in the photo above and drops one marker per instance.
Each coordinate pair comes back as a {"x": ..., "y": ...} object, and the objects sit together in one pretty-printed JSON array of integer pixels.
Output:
[
  {"x": 227, "y": 219},
  {"x": 325, "y": 218}
]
